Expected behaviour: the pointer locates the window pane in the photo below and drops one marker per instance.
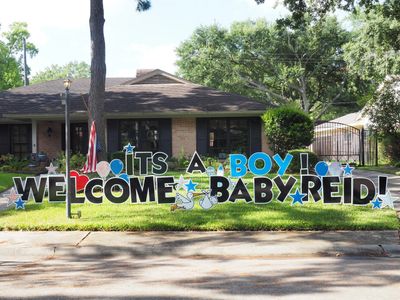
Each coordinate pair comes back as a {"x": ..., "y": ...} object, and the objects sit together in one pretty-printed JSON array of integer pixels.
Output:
[
  {"x": 150, "y": 139},
  {"x": 20, "y": 143},
  {"x": 128, "y": 133},
  {"x": 227, "y": 136}
]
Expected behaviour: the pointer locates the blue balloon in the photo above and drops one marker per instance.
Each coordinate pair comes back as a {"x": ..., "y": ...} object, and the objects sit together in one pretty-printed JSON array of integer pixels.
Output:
[
  {"x": 116, "y": 166},
  {"x": 125, "y": 177},
  {"x": 321, "y": 168}
]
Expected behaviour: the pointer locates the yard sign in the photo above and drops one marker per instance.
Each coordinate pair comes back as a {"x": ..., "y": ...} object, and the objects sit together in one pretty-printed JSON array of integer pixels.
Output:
[{"x": 119, "y": 182}]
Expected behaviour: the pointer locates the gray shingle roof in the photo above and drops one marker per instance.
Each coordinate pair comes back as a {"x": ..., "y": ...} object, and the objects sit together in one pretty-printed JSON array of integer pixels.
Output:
[{"x": 124, "y": 97}]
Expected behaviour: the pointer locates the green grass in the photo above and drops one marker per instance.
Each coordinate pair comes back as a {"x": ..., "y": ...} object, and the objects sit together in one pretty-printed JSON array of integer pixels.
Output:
[
  {"x": 227, "y": 216},
  {"x": 230, "y": 216},
  {"x": 6, "y": 180},
  {"x": 382, "y": 169}
]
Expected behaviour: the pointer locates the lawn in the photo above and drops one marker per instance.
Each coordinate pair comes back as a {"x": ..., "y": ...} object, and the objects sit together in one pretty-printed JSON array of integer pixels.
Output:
[
  {"x": 228, "y": 216},
  {"x": 6, "y": 180}
]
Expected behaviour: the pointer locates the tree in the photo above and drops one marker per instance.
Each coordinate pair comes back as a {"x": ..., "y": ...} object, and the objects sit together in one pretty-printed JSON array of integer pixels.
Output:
[
  {"x": 288, "y": 128},
  {"x": 11, "y": 54},
  {"x": 384, "y": 114},
  {"x": 10, "y": 75},
  {"x": 373, "y": 51},
  {"x": 98, "y": 68},
  {"x": 317, "y": 9},
  {"x": 277, "y": 65},
  {"x": 73, "y": 70}
]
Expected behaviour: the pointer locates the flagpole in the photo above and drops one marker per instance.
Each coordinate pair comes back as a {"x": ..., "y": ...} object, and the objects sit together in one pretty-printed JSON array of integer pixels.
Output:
[{"x": 67, "y": 85}]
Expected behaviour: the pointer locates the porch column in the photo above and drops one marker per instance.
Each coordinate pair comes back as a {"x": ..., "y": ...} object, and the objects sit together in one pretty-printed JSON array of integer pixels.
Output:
[{"x": 34, "y": 136}]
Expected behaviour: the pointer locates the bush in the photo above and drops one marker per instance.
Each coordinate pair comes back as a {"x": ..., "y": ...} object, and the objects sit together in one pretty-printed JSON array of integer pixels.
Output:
[
  {"x": 295, "y": 165},
  {"x": 77, "y": 162},
  {"x": 288, "y": 128},
  {"x": 391, "y": 147},
  {"x": 9, "y": 163},
  {"x": 118, "y": 155},
  {"x": 383, "y": 112}
]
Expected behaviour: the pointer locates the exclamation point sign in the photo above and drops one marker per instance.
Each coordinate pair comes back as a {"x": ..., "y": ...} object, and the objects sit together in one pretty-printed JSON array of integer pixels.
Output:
[
  {"x": 382, "y": 185},
  {"x": 304, "y": 163}
]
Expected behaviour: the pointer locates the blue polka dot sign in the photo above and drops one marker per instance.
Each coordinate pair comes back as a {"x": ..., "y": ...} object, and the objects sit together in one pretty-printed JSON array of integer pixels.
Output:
[{"x": 142, "y": 178}]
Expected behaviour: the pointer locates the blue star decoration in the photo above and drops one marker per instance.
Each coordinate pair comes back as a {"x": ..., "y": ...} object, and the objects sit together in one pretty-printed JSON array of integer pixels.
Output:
[
  {"x": 191, "y": 186},
  {"x": 376, "y": 204},
  {"x": 19, "y": 204},
  {"x": 348, "y": 170},
  {"x": 129, "y": 148},
  {"x": 297, "y": 197}
]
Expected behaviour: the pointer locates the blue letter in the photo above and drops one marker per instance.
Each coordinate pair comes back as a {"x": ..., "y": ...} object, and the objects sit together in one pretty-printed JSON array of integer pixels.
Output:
[
  {"x": 283, "y": 164},
  {"x": 267, "y": 163},
  {"x": 238, "y": 165}
]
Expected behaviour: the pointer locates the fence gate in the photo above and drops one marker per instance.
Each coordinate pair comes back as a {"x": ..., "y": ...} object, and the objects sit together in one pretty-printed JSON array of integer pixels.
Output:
[{"x": 335, "y": 141}]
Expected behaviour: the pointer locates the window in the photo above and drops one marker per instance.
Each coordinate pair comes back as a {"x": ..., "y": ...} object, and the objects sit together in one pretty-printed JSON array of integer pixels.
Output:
[
  {"x": 227, "y": 135},
  {"x": 20, "y": 140},
  {"x": 79, "y": 138},
  {"x": 143, "y": 134}
]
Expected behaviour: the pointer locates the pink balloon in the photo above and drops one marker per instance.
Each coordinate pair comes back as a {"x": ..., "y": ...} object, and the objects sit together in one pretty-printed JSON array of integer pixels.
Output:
[{"x": 103, "y": 169}]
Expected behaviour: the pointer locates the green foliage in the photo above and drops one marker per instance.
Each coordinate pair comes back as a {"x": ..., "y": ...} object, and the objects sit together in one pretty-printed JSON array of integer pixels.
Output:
[
  {"x": 317, "y": 9},
  {"x": 11, "y": 49},
  {"x": 288, "y": 128},
  {"x": 295, "y": 165},
  {"x": 77, "y": 161},
  {"x": 272, "y": 64},
  {"x": 373, "y": 52},
  {"x": 384, "y": 114},
  {"x": 384, "y": 110},
  {"x": 391, "y": 148},
  {"x": 118, "y": 155},
  {"x": 10, "y": 163},
  {"x": 72, "y": 70}
]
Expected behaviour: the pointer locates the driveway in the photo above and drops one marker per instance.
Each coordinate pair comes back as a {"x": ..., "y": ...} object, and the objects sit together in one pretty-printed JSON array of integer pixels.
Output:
[{"x": 393, "y": 184}]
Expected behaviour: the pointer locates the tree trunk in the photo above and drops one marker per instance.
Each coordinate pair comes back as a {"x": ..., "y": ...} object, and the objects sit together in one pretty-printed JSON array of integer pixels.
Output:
[{"x": 98, "y": 74}]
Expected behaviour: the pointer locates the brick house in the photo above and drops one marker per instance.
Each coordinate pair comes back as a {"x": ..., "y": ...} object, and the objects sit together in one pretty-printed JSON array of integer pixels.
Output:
[{"x": 155, "y": 111}]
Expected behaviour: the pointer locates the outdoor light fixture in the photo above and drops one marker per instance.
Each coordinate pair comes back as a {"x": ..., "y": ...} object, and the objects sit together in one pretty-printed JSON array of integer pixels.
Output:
[
  {"x": 49, "y": 132},
  {"x": 67, "y": 86}
]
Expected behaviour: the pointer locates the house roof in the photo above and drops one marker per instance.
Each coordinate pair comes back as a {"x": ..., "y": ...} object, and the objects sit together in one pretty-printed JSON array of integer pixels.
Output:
[
  {"x": 356, "y": 119},
  {"x": 151, "y": 94}
]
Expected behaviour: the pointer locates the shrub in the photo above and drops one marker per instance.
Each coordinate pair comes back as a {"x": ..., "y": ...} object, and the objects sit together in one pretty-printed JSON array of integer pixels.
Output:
[
  {"x": 295, "y": 165},
  {"x": 118, "y": 155},
  {"x": 9, "y": 163},
  {"x": 383, "y": 112},
  {"x": 77, "y": 161},
  {"x": 288, "y": 128},
  {"x": 391, "y": 147}
]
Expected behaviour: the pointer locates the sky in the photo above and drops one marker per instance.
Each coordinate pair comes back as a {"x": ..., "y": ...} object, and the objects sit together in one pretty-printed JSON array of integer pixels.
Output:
[{"x": 60, "y": 29}]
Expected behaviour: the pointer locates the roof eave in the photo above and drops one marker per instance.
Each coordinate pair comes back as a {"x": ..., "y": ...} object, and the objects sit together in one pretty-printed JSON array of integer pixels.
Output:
[{"x": 171, "y": 114}]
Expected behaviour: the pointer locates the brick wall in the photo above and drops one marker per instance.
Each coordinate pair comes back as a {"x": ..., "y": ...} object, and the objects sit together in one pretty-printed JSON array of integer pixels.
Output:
[
  {"x": 49, "y": 145},
  {"x": 183, "y": 136}
]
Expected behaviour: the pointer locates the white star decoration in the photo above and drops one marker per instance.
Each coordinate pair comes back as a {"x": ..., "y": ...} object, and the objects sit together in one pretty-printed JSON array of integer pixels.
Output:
[
  {"x": 12, "y": 197},
  {"x": 181, "y": 183},
  {"x": 387, "y": 200},
  {"x": 51, "y": 169}
]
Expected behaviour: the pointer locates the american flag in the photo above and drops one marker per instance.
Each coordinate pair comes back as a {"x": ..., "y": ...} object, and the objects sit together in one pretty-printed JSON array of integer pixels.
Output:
[{"x": 91, "y": 158}]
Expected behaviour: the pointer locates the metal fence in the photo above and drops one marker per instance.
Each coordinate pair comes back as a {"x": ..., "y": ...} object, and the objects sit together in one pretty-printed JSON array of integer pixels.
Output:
[{"x": 335, "y": 141}]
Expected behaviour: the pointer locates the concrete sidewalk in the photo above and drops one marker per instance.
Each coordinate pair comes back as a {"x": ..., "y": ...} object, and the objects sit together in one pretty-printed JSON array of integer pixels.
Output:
[
  {"x": 199, "y": 265},
  {"x": 28, "y": 245}
]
